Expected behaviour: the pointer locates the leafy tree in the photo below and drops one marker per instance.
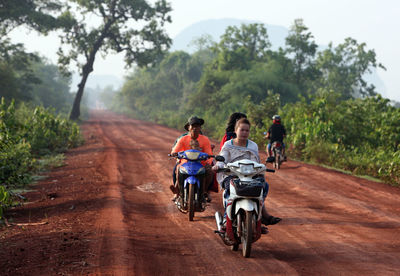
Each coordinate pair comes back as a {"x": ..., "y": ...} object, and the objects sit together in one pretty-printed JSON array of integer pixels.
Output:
[
  {"x": 16, "y": 70},
  {"x": 301, "y": 49},
  {"x": 36, "y": 14},
  {"x": 142, "y": 45},
  {"x": 343, "y": 68},
  {"x": 239, "y": 47},
  {"x": 203, "y": 42},
  {"x": 53, "y": 88},
  {"x": 161, "y": 93},
  {"x": 27, "y": 77}
]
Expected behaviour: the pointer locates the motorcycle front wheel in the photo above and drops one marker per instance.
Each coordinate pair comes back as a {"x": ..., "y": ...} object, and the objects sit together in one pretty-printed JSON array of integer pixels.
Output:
[
  {"x": 191, "y": 202},
  {"x": 247, "y": 233}
]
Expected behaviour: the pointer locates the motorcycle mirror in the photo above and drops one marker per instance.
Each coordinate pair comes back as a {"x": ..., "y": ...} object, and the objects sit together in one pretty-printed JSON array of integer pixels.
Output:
[{"x": 219, "y": 158}]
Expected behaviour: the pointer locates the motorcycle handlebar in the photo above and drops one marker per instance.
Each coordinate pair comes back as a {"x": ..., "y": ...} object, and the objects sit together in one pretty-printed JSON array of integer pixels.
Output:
[{"x": 217, "y": 157}]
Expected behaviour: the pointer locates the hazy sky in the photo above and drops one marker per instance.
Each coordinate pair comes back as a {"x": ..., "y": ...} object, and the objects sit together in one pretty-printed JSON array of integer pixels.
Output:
[{"x": 374, "y": 22}]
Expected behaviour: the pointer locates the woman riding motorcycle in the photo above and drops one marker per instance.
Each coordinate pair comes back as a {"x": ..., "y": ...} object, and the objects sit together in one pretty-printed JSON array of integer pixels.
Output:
[{"x": 237, "y": 149}]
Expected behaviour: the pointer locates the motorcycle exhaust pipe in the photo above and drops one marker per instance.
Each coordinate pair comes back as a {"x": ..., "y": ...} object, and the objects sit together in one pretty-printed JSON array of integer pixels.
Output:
[{"x": 218, "y": 220}]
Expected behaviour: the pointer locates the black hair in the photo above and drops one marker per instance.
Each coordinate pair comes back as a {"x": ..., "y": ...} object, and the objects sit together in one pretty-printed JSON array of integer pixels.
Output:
[
  {"x": 242, "y": 121},
  {"x": 230, "y": 126}
]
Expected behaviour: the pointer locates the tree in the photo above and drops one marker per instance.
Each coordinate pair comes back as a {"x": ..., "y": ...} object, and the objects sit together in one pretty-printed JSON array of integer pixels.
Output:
[
  {"x": 16, "y": 71},
  {"x": 301, "y": 49},
  {"x": 53, "y": 88},
  {"x": 16, "y": 65},
  {"x": 142, "y": 45},
  {"x": 35, "y": 14},
  {"x": 241, "y": 46},
  {"x": 343, "y": 68}
]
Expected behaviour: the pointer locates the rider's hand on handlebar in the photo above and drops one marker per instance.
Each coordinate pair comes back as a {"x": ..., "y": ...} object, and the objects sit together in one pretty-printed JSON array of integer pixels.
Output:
[{"x": 215, "y": 168}]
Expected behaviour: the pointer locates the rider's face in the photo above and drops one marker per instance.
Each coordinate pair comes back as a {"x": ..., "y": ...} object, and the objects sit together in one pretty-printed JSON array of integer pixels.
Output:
[
  {"x": 243, "y": 131},
  {"x": 194, "y": 131}
]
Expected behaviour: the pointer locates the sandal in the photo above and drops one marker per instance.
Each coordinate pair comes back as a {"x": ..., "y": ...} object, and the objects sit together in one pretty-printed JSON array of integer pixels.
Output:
[
  {"x": 264, "y": 230},
  {"x": 271, "y": 220},
  {"x": 173, "y": 189}
]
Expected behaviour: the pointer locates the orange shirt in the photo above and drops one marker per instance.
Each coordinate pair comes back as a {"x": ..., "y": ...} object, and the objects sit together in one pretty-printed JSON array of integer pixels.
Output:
[{"x": 204, "y": 144}]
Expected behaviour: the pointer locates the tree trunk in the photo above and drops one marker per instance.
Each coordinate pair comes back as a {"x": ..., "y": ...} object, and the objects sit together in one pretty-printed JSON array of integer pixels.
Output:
[
  {"x": 87, "y": 69},
  {"x": 76, "y": 108}
]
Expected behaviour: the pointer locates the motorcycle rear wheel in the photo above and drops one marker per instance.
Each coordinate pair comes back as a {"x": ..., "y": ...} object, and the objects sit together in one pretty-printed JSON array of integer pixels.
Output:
[
  {"x": 277, "y": 161},
  {"x": 191, "y": 202},
  {"x": 247, "y": 233}
]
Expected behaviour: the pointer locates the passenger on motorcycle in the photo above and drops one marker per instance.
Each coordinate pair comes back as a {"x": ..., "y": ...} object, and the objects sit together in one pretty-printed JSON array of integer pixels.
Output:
[
  {"x": 276, "y": 133},
  {"x": 237, "y": 149},
  {"x": 201, "y": 143},
  {"x": 230, "y": 127}
]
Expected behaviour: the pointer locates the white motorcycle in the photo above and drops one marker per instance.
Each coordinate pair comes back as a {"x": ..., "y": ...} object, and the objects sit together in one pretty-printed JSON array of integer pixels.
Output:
[{"x": 242, "y": 224}]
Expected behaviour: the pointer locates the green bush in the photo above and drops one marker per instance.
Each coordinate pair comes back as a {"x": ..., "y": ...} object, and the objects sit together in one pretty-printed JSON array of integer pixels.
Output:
[
  {"x": 358, "y": 135},
  {"x": 15, "y": 163},
  {"x": 4, "y": 200},
  {"x": 26, "y": 135}
]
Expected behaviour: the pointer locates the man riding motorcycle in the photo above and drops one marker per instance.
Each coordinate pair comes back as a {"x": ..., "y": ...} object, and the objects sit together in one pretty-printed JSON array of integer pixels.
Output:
[
  {"x": 201, "y": 143},
  {"x": 275, "y": 133}
]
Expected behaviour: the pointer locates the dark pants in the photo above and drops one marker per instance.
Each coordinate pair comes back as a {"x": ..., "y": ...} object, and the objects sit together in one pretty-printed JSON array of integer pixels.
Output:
[{"x": 174, "y": 173}]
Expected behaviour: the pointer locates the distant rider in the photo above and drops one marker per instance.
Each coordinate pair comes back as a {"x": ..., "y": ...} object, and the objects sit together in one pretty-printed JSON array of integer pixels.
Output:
[{"x": 276, "y": 133}]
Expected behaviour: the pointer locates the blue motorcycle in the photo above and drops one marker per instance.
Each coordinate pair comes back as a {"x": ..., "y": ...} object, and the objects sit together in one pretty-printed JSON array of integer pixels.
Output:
[{"x": 191, "y": 198}]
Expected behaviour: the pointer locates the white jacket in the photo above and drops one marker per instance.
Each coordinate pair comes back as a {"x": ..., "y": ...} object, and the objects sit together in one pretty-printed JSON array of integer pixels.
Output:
[{"x": 233, "y": 153}]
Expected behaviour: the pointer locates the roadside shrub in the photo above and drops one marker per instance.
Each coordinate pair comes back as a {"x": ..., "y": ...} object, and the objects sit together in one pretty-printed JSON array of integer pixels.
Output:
[
  {"x": 46, "y": 132},
  {"x": 26, "y": 136},
  {"x": 4, "y": 200},
  {"x": 15, "y": 163}
]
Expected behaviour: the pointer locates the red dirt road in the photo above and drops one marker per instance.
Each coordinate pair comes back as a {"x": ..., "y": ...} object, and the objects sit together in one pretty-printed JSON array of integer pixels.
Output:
[{"x": 108, "y": 212}]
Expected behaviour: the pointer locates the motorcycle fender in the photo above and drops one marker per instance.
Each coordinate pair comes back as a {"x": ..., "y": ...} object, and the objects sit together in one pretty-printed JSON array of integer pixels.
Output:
[
  {"x": 192, "y": 180},
  {"x": 247, "y": 205}
]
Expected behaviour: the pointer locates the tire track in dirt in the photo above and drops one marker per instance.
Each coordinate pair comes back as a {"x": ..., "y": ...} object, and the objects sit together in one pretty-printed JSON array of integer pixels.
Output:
[{"x": 112, "y": 248}]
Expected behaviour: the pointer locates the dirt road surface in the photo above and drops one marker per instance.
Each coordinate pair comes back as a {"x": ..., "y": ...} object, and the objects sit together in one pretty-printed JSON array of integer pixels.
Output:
[{"x": 108, "y": 211}]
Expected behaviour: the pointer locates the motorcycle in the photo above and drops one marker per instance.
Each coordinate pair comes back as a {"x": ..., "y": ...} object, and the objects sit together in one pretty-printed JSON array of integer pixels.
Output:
[
  {"x": 191, "y": 198},
  {"x": 243, "y": 207},
  {"x": 277, "y": 153}
]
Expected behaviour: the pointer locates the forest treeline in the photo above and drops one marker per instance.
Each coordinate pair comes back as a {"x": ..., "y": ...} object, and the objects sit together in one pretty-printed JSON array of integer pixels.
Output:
[{"x": 332, "y": 114}]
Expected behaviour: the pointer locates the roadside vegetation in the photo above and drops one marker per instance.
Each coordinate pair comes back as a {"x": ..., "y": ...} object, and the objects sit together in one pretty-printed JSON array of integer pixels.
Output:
[{"x": 29, "y": 138}]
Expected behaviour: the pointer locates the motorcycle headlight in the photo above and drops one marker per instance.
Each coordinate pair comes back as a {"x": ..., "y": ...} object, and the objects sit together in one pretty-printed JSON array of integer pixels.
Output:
[
  {"x": 246, "y": 169},
  {"x": 192, "y": 155}
]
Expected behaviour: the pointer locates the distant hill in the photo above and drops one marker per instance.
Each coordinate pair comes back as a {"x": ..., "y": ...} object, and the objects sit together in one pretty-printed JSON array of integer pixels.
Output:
[{"x": 216, "y": 27}]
